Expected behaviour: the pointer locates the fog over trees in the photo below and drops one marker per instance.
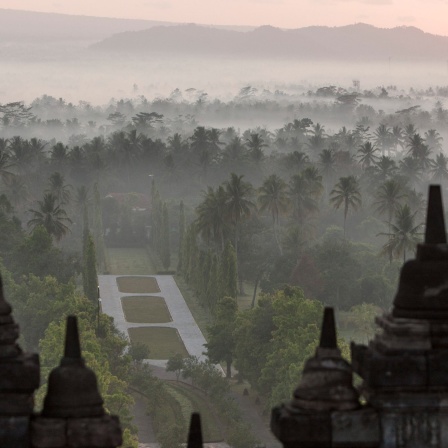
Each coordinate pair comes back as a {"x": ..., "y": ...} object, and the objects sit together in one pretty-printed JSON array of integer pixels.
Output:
[{"x": 265, "y": 201}]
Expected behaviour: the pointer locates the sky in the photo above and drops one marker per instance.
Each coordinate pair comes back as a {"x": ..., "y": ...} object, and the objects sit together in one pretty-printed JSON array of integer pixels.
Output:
[{"x": 428, "y": 15}]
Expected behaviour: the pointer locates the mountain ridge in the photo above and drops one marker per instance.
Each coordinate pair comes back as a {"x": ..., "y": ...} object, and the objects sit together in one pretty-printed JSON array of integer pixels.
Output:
[{"x": 356, "y": 41}]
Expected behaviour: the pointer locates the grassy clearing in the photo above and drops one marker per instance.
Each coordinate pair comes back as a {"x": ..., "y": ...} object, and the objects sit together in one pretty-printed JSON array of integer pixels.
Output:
[
  {"x": 194, "y": 401},
  {"x": 162, "y": 342},
  {"x": 138, "y": 285},
  {"x": 145, "y": 309},
  {"x": 134, "y": 261}
]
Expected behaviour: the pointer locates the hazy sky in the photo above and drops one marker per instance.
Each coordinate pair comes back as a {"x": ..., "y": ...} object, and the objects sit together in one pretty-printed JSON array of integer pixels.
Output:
[{"x": 429, "y": 15}]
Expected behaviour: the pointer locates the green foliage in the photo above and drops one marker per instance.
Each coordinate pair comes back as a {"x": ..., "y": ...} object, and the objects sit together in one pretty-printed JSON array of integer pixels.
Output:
[
  {"x": 362, "y": 319},
  {"x": 182, "y": 229},
  {"x": 36, "y": 254},
  {"x": 139, "y": 351},
  {"x": 274, "y": 339},
  {"x": 98, "y": 228},
  {"x": 90, "y": 274},
  {"x": 165, "y": 255},
  {"x": 228, "y": 273},
  {"x": 175, "y": 364},
  {"x": 221, "y": 344}
]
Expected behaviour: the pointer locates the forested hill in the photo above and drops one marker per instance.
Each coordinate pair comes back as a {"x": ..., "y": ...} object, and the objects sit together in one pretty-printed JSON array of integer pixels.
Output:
[
  {"x": 23, "y": 25},
  {"x": 15, "y": 25},
  {"x": 355, "y": 42}
]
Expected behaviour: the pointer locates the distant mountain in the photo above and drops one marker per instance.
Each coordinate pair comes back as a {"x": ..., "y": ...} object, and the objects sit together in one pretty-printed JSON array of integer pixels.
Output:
[
  {"x": 354, "y": 42},
  {"x": 28, "y": 25}
]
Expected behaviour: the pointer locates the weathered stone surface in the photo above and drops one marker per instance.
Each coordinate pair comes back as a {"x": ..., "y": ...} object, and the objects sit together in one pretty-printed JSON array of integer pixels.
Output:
[
  {"x": 72, "y": 386},
  {"x": 360, "y": 428},
  {"x": 296, "y": 428},
  {"x": 411, "y": 429},
  {"x": 16, "y": 404},
  {"x": 21, "y": 373},
  {"x": 102, "y": 432},
  {"x": 399, "y": 372},
  {"x": 14, "y": 432},
  {"x": 438, "y": 369},
  {"x": 48, "y": 433}
]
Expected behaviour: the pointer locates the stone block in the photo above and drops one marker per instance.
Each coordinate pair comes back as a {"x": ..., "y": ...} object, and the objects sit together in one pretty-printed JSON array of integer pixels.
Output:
[
  {"x": 439, "y": 335},
  {"x": 16, "y": 404},
  {"x": 438, "y": 369},
  {"x": 14, "y": 432},
  {"x": 296, "y": 428},
  {"x": 360, "y": 429},
  {"x": 100, "y": 432},
  {"x": 402, "y": 371},
  {"x": 20, "y": 374},
  {"x": 48, "y": 433}
]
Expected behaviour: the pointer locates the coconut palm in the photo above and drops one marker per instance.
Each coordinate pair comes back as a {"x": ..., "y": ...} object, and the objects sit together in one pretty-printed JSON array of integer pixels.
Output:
[
  {"x": 256, "y": 144},
  {"x": 397, "y": 137},
  {"x": 383, "y": 138},
  {"x": 239, "y": 205},
  {"x": 385, "y": 168},
  {"x": 347, "y": 193},
  {"x": 411, "y": 169},
  {"x": 211, "y": 222},
  {"x": 367, "y": 154},
  {"x": 235, "y": 152},
  {"x": 51, "y": 216},
  {"x": 327, "y": 163},
  {"x": 389, "y": 197},
  {"x": 17, "y": 190},
  {"x": 59, "y": 156},
  {"x": 5, "y": 166},
  {"x": 304, "y": 190},
  {"x": 297, "y": 160},
  {"x": 21, "y": 155},
  {"x": 404, "y": 234},
  {"x": 433, "y": 140},
  {"x": 316, "y": 143},
  {"x": 439, "y": 168},
  {"x": 272, "y": 196},
  {"x": 59, "y": 189}
]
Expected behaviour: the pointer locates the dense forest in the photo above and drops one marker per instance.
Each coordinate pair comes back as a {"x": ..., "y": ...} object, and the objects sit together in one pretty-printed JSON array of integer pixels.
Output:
[{"x": 319, "y": 203}]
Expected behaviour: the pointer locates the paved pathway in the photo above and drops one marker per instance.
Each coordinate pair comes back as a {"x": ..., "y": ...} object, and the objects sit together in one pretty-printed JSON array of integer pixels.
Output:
[{"x": 183, "y": 320}]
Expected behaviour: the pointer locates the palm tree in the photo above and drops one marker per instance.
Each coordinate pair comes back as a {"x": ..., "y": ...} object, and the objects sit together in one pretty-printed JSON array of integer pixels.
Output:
[
  {"x": 238, "y": 205},
  {"x": 304, "y": 190},
  {"x": 434, "y": 140},
  {"x": 18, "y": 191},
  {"x": 256, "y": 145},
  {"x": 235, "y": 152},
  {"x": 367, "y": 154},
  {"x": 385, "y": 168},
  {"x": 439, "y": 168},
  {"x": 404, "y": 234},
  {"x": 59, "y": 189},
  {"x": 51, "y": 216},
  {"x": 327, "y": 162},
  {"x": 388, "y": 198},
  {"x": 82, "y": 198},
  {"x": 411, "y": 169},
  {"x": 272, "y": 195},
  {"x": 346, "y": 192},
  {"x": 211, "y": 222},
  {"x": 59, "y": 156},
  {"x": 316, "y": 143},
  {"x": 383, "y": 138},
  {"x": 397, "y": 137},
  {"x": 297, "y": 160},
  {"x": 5, "y": 164}
]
